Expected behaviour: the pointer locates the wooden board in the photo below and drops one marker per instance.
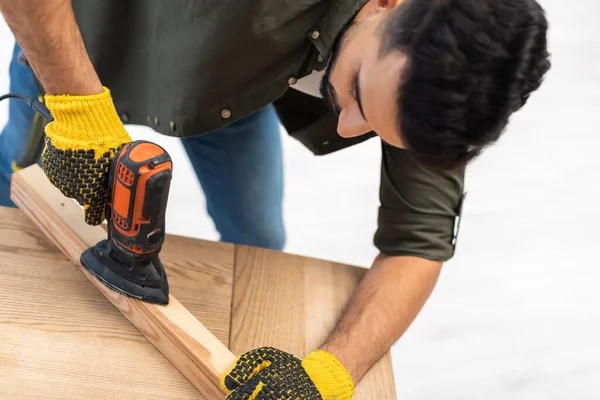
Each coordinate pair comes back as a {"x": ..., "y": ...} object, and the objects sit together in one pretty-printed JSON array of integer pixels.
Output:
[
  {"x": 172, "y": 329},
  {"x": 293, "y": 303}
]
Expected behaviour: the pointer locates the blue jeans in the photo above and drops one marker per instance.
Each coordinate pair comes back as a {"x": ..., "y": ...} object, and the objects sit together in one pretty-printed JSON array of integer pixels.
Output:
[{"x": 239, "y": 167}]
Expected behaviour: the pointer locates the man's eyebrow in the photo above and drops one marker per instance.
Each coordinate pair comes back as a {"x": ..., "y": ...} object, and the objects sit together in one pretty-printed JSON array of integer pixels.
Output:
[{"x": 357, "y": 94}]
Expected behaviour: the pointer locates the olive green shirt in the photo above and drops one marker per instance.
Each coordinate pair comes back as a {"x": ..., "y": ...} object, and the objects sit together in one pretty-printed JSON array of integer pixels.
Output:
[{"x": 187, "y": 67}]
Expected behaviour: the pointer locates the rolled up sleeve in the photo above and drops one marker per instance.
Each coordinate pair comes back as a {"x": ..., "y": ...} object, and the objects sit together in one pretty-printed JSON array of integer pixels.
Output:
[{"x": 420, "y": 208}]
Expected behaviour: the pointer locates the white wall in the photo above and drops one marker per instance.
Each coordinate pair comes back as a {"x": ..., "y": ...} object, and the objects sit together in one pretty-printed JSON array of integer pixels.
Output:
[{"x": 516, "y": 312}]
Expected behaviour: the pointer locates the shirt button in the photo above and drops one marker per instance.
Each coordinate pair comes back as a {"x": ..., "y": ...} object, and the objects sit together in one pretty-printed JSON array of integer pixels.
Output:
[
  {"x": 320, "y": 58},
  {"x": 125, "y": 117},
  {"x": 292, "y": 80},
  {"x": 225, "y": 113},
  {"x": 315, "y": 35}
]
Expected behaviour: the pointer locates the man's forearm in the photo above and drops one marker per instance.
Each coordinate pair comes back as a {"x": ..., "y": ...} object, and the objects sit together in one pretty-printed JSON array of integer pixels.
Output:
[
  {"x": 383, "y": 306},
  {"x": 47, "y": 32}
]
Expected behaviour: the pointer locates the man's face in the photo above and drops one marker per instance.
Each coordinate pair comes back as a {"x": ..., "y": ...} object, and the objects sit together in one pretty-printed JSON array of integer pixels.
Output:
[{"x": 360, "y": 85}]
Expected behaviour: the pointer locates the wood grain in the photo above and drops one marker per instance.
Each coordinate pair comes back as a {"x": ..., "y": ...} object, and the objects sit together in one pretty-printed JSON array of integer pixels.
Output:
[
  {"x": 172, "y": 329},
  {"x": 29, "y": 369},
  {"x": 293, "y": 303},
  {"x": 60, "y": 338},
  {"x": 200, "y": 276}
]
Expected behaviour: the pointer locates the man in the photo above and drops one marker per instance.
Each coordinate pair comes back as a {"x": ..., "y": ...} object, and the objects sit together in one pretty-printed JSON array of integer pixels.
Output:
[{"x": 436, "y": 80}]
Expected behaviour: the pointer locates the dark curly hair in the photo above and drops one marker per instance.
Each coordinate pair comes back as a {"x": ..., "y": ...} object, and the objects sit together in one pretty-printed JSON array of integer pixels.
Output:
[{"x": 471, "y": 64}]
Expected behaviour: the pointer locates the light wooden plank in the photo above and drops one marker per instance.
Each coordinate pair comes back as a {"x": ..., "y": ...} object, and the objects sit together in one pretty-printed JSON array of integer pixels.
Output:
[
  {"x": 201, "y": 276},
  {"x": 293, "y": 303},
  {"x": 32, "y": 264},
  {"x": 172, "y": 329}
]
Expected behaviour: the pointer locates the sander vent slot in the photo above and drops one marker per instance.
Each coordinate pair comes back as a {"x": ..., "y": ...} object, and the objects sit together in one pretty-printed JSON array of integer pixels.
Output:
[
  {"x": 119, "y": 221},
  {"x": 125, "y": 175}
]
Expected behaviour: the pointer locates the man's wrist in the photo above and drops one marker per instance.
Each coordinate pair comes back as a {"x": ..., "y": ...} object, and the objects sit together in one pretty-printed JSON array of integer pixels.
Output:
[
  {"x": 84, "y": 88},
  {"x": 345, "y": 358}
]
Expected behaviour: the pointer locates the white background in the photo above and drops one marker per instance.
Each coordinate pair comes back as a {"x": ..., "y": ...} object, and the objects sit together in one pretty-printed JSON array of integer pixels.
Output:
[{"x": 516, "y": 314}]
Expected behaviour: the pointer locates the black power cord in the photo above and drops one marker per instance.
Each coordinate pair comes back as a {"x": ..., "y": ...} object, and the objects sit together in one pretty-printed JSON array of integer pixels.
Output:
[
  {"x": 15, "y": 96},
  {"x": 35, "y": 142},
  {"x": 33, "y": 103}
]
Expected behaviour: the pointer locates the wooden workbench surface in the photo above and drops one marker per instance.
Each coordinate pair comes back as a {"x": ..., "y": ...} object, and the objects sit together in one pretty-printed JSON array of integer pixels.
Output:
[{"x": 60, "y": 338}]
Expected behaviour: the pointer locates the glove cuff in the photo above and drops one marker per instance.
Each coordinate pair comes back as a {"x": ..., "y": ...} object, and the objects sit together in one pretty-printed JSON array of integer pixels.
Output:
[
  {"x": 85, "y": 122},
  {"x": 329, "y": 375}
]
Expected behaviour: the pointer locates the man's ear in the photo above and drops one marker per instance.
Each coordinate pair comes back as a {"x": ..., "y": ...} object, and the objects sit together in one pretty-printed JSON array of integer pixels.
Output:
[{"x": 377, "y": 6}]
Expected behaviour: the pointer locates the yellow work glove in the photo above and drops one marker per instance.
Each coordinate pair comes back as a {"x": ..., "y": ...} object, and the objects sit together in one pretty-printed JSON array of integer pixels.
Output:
[
  {"x": 268, "y": 373},
  {"x": 80, "y": 145}
]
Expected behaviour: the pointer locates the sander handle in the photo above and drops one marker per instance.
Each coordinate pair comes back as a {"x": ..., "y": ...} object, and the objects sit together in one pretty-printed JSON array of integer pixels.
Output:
[{"x": 139, "y": 186}]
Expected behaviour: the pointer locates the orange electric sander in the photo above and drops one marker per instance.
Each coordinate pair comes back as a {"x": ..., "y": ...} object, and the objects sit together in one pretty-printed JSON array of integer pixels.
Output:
[
  {"x": 127, "y": 261},
  {"x": 139, "y": 181}
]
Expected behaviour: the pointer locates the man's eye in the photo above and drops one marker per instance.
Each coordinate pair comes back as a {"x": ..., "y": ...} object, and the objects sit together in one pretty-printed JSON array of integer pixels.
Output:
[
  {"x": 356, "y": 94},
  {"x": 332, "y": 104},
  {"x": 353, "y": 86}
]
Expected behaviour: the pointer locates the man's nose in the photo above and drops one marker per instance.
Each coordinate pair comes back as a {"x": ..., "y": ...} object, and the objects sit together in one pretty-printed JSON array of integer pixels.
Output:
[{"x": 351, "y": 123}]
